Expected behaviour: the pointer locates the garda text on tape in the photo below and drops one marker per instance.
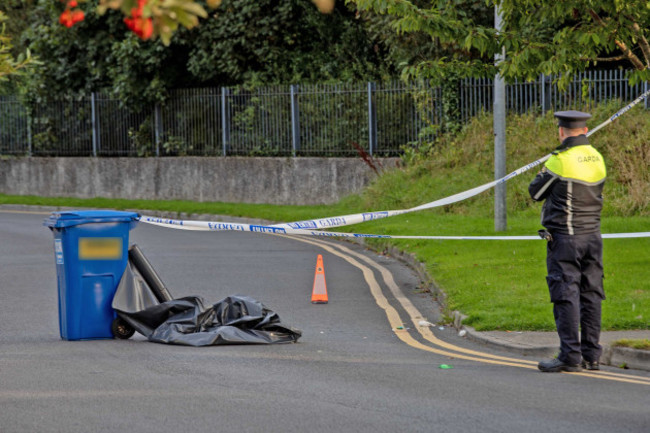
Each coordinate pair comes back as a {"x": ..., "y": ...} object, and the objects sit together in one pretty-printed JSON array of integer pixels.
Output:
[{"x": 226, "y": 226}]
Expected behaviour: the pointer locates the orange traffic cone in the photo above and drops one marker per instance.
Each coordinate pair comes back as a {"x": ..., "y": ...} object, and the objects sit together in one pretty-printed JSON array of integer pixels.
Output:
[{"x": 319, "y": 292}]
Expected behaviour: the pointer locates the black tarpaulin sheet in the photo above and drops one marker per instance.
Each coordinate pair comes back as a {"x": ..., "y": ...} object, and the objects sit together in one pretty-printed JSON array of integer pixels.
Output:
[{"x": 190, "y": 321}]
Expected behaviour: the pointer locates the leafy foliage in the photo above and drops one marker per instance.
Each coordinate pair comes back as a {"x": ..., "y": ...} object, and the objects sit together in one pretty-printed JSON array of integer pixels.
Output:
[
  {"x": 10, "y": 65},
  {"x": 563, "y": 37},
  {"x": 266, "y": 41},
  {"x": 157, "y": 18},
  {"x": 74, "y": 61},
  {"x": 243, "y": 42},
  {"x": 538, "y": 36},
  {"x": 458, "y": 34}
]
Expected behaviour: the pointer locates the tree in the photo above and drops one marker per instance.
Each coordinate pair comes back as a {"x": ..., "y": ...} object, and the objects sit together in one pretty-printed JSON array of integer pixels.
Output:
[
  {"x": 267, "y": 42},
  {"x": 17, "y": 13},
  {"x": 10, "y": 65},
  {"x": 73, "y": 61},
  {"x": 446, "y": 24},
  {"x": 245, "y": 42},
  {"x": 539, "y": 36},
  {"x": 410, "y": 48},
  {"x": 152, "y": 18},
  {"x": 588, "y": 33}
]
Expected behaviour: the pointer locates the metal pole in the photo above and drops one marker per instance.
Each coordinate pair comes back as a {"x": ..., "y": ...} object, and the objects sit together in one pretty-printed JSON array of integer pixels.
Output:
[
  {"x": 500, "y": 216},
  {"x": 158, "y": 127},
  {"x": 546, "y": 93},
  {"x": 95, "y": 126},
  {"x": 295, "y": 121},
  {"x": 225, "y": 125},
  {"x": 30, "y": 149},
  {"x": 372, "y": 119}
]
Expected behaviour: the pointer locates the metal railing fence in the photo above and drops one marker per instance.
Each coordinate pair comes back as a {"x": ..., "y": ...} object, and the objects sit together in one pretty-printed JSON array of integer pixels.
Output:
[
  {"x": 14, "y": 126},
  {"x": 289, "y": 120},
  {"x": 585, "y": 90}
]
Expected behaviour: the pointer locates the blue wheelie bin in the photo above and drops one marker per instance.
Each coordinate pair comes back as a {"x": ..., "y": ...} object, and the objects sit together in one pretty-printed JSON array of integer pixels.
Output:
[{"x": 91, "y": 253}]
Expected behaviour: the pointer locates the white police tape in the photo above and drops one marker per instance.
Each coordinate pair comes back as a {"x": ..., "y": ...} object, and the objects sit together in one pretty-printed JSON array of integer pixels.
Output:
[
  {"x": 274, "y": 229},
  {"x": 621, "y": 112},
  {"x": 344, "y": 220},
  {"x": 309, "y": 227}
]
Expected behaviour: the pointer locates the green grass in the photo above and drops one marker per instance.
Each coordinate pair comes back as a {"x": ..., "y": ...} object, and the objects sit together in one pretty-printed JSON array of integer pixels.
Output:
[
  {"x": 269, "y": 212},
  {"x": 499, "y": 285},
  {"x": 642, "y": 344}
]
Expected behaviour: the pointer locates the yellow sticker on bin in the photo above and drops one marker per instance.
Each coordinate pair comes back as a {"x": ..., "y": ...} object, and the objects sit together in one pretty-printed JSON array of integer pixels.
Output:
[{"x": 100, "y": 248}]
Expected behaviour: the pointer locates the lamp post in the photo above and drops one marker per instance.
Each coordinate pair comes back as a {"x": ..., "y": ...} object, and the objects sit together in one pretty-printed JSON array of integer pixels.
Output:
[{"x": 500, "y": 217}]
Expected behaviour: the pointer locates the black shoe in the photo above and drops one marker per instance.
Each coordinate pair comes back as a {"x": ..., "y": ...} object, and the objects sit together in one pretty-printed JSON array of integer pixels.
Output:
[
  {"x": 590, "y": 365},
  {"x": 555, "y": 366}
]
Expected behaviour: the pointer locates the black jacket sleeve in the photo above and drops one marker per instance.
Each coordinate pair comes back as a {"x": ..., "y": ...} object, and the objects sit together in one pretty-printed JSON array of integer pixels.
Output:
[{"x": 541, "y": 186}]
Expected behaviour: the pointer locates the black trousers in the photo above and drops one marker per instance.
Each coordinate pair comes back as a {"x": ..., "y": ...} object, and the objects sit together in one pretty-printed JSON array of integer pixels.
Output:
[{"x": 575, "y": 283}]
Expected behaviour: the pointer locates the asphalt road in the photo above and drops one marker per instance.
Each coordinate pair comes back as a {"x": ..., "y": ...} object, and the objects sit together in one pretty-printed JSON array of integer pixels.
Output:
[{"x": 353, "y": 370}]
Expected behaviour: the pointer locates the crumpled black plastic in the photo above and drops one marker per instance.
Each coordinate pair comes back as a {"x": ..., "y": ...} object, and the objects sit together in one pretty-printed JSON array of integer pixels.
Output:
[{"x": 189, "y": 321}]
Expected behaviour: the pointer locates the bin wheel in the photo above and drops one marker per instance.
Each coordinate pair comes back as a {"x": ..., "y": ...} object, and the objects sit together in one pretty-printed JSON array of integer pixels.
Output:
[{"x": 121, "y": 329}]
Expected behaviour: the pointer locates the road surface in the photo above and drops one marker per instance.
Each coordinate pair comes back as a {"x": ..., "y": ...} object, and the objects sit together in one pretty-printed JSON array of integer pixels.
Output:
[{"x": 353, "y": 370}]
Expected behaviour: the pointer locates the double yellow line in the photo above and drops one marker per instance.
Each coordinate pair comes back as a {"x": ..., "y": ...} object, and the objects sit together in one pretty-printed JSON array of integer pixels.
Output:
[{"x": 437, "y": 346}]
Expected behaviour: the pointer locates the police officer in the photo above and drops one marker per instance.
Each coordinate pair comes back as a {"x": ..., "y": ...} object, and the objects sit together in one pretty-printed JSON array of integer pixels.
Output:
[{"x": 571, "y": 185}]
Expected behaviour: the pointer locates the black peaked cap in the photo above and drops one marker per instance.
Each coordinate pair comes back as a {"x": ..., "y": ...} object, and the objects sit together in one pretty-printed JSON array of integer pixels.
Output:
[{"x": 572, "y": 119}]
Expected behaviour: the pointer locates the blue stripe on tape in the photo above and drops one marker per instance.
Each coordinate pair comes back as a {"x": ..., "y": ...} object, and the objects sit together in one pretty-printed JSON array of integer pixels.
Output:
[
  {"x": 303, "y": 225},
  {"x": 215, "y": 226},
  {"x": 267, "y": 229}
]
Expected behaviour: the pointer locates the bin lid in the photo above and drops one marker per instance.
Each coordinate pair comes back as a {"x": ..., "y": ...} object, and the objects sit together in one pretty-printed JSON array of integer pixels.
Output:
[{"x": 77, "y": 217}]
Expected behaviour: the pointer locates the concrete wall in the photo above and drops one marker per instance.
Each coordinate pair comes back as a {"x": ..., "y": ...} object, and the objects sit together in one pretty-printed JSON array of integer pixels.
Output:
[{"x": 231, "y": 179}]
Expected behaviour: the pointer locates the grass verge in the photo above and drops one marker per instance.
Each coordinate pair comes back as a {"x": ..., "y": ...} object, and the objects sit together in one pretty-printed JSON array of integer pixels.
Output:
[
  {"x": 500, "y": 285},
  {"x": 642, "y": 344}
]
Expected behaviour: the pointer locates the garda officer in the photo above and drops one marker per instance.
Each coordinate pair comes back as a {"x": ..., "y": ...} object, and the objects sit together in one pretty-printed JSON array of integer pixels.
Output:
[{"x": 571, "y": 183}]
